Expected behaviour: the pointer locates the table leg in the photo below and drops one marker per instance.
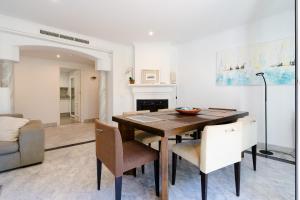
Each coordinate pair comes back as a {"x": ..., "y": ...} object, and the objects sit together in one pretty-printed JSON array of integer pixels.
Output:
[
  {"x": 127, "y": 132},
  {"x": 164, "y": 167}
]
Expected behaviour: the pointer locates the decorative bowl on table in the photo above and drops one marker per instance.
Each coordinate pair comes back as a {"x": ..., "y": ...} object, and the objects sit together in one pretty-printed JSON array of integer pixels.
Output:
[{"x": 188, "y": 110}]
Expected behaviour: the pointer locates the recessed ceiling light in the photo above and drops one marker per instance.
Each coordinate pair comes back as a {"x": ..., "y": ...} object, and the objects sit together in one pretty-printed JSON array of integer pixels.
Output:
[
  {"x": 57, "y": 56},
  {"x": 150, "y": 33}
]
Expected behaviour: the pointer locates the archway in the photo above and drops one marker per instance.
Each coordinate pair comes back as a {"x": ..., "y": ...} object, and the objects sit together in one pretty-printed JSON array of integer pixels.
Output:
[{"x": 101, "y": 60}]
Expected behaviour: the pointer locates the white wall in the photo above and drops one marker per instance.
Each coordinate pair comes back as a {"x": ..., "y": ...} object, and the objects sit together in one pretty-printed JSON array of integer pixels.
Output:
[
  {"x": 197, "y": 78},
  {"x": 159, "y": 56},
  {"x": 89, "y": 94},
  {"x": 37, "y": 83},
  {"x": 37, "y": 89}
]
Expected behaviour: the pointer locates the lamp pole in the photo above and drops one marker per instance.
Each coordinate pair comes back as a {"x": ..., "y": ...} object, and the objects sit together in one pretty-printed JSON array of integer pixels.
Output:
[{"x": 265, "y": 151}]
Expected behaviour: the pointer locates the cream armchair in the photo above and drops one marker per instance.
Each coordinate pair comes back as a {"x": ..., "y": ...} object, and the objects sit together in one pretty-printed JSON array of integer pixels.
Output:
[
  {"x": 249, "y": 136},
  {"x": 220, "y": 146}
]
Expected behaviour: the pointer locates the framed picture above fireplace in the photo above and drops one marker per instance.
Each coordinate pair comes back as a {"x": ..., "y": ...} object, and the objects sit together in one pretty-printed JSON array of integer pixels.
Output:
[{"x": 150, "y": 76}]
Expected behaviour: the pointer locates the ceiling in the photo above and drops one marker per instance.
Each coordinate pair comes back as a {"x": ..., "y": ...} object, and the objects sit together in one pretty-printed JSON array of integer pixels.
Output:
[
  {"x": 128, "y": 21},
  {"x": 52, "y": 52}
]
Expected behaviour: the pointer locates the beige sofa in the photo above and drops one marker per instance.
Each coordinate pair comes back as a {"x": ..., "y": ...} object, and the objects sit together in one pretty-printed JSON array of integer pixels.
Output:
[{"x": 28, "y": 150}]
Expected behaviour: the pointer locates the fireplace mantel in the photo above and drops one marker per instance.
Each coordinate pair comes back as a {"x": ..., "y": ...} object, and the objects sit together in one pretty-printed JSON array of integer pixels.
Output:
[{"x": 154, "y": 91}]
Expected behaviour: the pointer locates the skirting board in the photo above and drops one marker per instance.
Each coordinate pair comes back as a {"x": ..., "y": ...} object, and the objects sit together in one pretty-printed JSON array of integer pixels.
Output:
[
  {"x": 89, "y": 120},
  {"x": 277, "y": 148},
  {"x": 64, "y": 114},
  {"x": 46, "y": 125}
]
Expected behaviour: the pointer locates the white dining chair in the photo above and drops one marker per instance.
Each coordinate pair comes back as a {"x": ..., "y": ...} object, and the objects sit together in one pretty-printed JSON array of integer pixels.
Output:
[
  {"x": 142, "y": 136},
  {"x": 249, "y": 136},
  {"x": 220, "y": 146}
]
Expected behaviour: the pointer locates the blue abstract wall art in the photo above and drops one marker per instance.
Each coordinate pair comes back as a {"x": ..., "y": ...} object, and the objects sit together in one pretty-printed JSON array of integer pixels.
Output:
[{"x": 238, "y": 66}]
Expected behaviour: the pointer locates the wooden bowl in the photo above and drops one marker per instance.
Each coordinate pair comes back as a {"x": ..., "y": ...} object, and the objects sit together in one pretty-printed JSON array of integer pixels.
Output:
[{"x": 193, "y": 111}]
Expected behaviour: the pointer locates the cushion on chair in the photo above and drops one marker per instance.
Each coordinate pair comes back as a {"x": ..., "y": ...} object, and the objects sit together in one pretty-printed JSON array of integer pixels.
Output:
[
  {"x": 136, "y": 154},
  {"x": 145, "y": 137},
  {"x": 8, "y": 147},
  {"x": 189, "y": 151},
  {"x": 9, "y": 128}
]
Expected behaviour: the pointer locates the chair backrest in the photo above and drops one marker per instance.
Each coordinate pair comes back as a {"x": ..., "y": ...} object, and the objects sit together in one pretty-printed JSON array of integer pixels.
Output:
[
  {"x": 249, "y": 132},
  {"x": 109, "y": 148},
  {"x": 136, "y": 112},
  {"x": 220, "y": 146}
]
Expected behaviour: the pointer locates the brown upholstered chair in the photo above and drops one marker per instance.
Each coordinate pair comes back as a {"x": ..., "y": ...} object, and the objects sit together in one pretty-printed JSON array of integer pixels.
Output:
[
  {"x": 120, "y": 157},
  {"x": 142, "y": 136}
]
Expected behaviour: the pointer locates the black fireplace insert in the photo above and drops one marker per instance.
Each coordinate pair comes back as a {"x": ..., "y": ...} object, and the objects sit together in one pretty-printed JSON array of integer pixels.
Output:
[{"x": 152, "y": 104}]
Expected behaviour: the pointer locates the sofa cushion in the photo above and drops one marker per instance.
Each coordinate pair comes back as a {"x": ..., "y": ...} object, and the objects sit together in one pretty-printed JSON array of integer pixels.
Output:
[
  {"x": 8, "y": 147},
  {"x": 9, "y": 128}
]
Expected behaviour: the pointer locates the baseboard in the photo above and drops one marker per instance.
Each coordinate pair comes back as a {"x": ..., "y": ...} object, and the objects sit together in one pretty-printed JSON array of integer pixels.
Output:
[
  {"x": 89, "y": 120},
  {"x": 275, "y": 147},
  {"x": 20, "y": 167},
  {"x": 69, "y": 145},
  {"x": 46, "y": 125},
  {"x": 64, "y": 114}
]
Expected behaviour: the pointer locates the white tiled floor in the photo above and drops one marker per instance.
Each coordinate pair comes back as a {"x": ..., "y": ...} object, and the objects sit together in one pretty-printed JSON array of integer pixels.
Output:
[
  {"x": 69, "y": 134},
  {"x": 70, "y": 173}
]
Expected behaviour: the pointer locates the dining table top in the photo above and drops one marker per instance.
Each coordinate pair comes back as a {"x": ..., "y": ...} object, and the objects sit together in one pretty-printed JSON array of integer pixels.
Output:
[{"x": 172, "y": 122}]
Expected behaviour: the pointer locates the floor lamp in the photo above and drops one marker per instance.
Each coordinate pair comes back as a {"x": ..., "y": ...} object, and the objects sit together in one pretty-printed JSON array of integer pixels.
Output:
[{"x": 265, "y": 151}]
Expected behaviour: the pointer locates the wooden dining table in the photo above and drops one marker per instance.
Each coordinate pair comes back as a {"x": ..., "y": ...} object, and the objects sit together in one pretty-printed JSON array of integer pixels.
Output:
[{"x": 170, "y": 123}]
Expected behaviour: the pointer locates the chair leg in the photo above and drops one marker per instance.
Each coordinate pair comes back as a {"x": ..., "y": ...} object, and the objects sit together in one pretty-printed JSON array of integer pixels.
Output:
[
  {"x": 204, "y": 181},
  {"x": 156, "y": 176},
  {"x": 159, "y": 145},
  {"x": 237, "y": 175},
  {"x": 254, "y": 148},
  {"x": 195, "y": 135},
  {"x": 134, "y": 172},
  {"x": 143, "y": 169},
  {"x": 179, "y": 140},
  {"x": 99, "y": 170},
  {"x": 199, "y": 133},
  {"x": 174, "y": 164},
  {"x": 118, "y": 188}
]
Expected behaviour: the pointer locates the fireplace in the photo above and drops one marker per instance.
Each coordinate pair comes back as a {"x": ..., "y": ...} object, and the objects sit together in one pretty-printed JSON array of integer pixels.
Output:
[
  {"x": 153, "y": 97},
  {"x": 152, "y": 104}
]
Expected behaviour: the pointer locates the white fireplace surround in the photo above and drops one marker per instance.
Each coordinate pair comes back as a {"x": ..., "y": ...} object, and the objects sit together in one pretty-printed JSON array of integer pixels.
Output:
[{"x": 157, "y": 91}]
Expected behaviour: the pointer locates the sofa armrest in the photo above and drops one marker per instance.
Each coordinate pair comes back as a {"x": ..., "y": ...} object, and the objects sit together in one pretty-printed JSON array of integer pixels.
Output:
[
  {"x": 32, "y": 143},
  {"x": 17, "y": 115}
]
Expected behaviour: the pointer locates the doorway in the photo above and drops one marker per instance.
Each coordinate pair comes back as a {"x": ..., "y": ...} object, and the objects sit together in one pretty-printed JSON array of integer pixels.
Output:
[
  {"x": 70, "y": 96},
  {"x": 52, "y": 69}
]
